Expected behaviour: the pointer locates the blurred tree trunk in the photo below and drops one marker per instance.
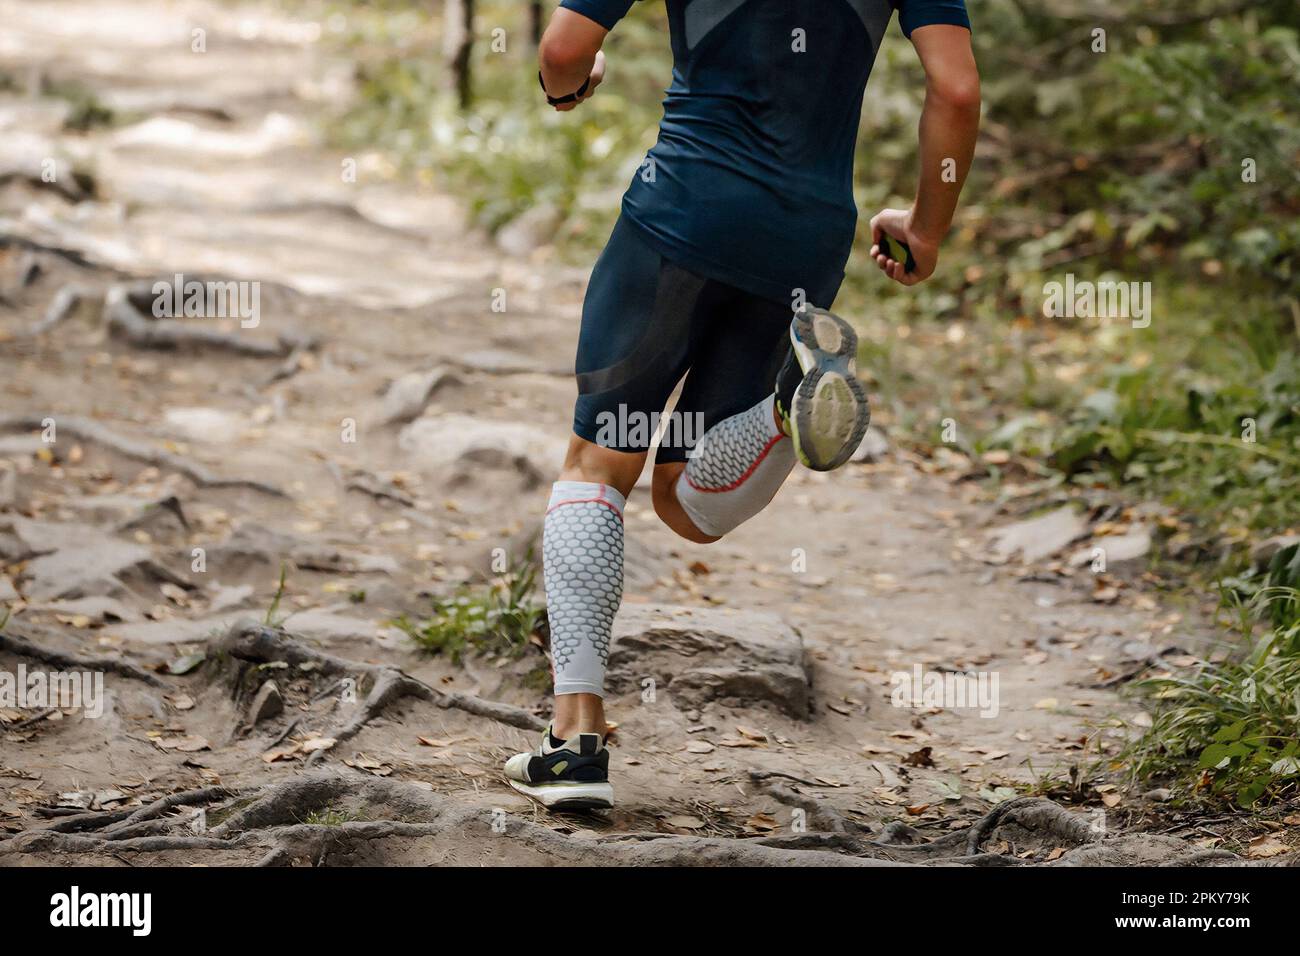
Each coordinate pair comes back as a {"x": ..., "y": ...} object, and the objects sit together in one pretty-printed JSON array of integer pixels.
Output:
[
  {"x": 535, "y": 21},
  {"x": 457, "y": 44}
]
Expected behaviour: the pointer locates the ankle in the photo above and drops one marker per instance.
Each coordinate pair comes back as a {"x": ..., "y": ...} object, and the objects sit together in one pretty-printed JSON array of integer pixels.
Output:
[
  {"x": 578, "y": 714},
  {"x": 570, "y": 730}
]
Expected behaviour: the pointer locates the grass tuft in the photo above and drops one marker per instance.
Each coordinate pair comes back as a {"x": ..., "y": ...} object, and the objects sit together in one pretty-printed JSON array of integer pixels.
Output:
[{"x": 498, "y": 618}]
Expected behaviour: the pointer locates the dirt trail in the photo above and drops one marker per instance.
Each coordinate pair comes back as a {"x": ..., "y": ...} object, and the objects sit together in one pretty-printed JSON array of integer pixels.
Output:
[{"x": 214, "y": 169}]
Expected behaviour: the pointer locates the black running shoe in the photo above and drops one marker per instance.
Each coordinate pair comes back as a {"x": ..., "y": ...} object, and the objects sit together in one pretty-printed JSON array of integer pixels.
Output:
[
  {"x": 573, "y": 775},
  {"x": 818, "y": 394}
]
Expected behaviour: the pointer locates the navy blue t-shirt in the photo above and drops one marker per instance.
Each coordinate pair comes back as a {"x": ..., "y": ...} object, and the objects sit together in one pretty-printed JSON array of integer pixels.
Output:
[{"x": 751, "y": 181}]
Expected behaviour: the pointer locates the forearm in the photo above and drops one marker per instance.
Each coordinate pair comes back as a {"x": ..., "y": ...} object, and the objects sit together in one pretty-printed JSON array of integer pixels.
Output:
[{"x": 948, "y": 128}]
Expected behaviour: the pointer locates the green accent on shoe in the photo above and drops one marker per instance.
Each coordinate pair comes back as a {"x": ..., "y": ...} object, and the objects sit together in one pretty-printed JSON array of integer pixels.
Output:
[{"x": 829, "y": 411}]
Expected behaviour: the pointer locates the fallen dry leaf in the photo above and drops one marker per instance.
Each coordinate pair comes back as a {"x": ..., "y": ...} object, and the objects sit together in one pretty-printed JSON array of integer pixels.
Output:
[
  {"x": 365, "y": 762},
  {"x": 1263, "y": 847},
  {"x": 684, "y": 822}
]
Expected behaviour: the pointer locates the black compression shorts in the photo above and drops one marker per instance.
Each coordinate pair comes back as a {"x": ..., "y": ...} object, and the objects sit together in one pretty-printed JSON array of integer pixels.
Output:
[{"x": 646, "y": 322}]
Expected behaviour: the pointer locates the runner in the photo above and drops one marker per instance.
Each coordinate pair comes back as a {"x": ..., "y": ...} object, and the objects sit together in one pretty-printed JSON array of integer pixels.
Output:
[{"x": 728, "y": 254}]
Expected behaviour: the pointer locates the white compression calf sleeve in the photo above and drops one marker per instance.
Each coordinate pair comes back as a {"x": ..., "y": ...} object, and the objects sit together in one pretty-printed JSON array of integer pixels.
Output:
[
  {"x": 736, "y": 470},
  {"x": 582, "y": 554}
]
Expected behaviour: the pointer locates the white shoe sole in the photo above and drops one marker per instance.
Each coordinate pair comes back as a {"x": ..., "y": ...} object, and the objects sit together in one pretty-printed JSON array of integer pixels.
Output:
[{"x": 568, "y": 796}]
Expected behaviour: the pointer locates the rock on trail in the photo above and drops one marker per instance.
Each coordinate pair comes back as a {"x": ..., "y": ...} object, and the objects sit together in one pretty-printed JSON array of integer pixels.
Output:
[{"x": 698, "y": 655}]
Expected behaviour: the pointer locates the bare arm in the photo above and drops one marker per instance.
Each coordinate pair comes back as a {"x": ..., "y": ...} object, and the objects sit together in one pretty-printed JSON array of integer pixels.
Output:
[
  {"x": 570, "y": 53},
  {"x": 948, "y": 128}
]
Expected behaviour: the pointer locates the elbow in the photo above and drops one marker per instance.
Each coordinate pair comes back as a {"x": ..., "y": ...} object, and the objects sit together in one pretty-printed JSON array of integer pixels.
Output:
[
  {"x": 961, "y": 93},
  {"x": 563, "y": 56}
]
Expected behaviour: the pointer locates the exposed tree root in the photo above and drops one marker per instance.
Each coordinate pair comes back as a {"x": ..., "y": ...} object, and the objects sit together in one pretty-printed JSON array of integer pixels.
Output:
[
  {"x": 261, "y": 644},
  {"x": 760, "y": 775},
  {"x": 29, "y": 269},
  {"x": 1039, "y": 829},
  {"x": 131, "y": 822},
  {"x": 63, "y": 304},
  {"x": 821, "y": 816},
  {"x": 340, "y": 817},
  {"x": 1035, "y": 814},
  {"x": 377, "y": 488},
  {"x": 164, "y": 506},
  {"x": 74, "y": 188},
  {"x": 493, "y": 710},
  {"x": 30, "y": 721},
  {"x": 74, "y": 256},
  {"x": 277, "y": 856},
  {"x": 453, "y": 831},
  {"x": 97, "y": 434},
  {"x": 124, "y": 312},
  {"x": 138, "y": 829},
  {"x": 287, "y": 369},
  {"x": 12, "y": 642},
  {"x": 83, "y": 822},
  {"x": 283, "y": 735},
  {"x": 124, "y": 318},
  {"x": 390, "y": 686},
  {"x": 290, "y": 802},
  {"x": 52, "y": 841},
  {"x": 187, "y": 798}
]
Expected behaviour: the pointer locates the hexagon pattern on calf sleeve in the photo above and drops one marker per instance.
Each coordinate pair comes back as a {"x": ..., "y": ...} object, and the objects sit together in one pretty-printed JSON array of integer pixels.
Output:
[
  {"x": 729, "y": 449},
  {"x": 582, "y": 551},
  {"x": 737, "y": 469}
]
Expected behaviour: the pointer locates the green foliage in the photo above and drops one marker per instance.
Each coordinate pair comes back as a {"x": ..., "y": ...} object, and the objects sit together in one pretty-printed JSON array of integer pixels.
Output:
[
  {"x": 1284, "y": 582},
  {"x": 496, "y": 619},
  {"x": 1226, "y": 91},
  {"x": 331, "y": 817},
  {"x": 271, "y": 620},
  {"x": 509, "y": 152},
  {"x": 1218, "y": 433},
  {"x": 1233, "y": 729},
  {"x": 86, "y": 110}
]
